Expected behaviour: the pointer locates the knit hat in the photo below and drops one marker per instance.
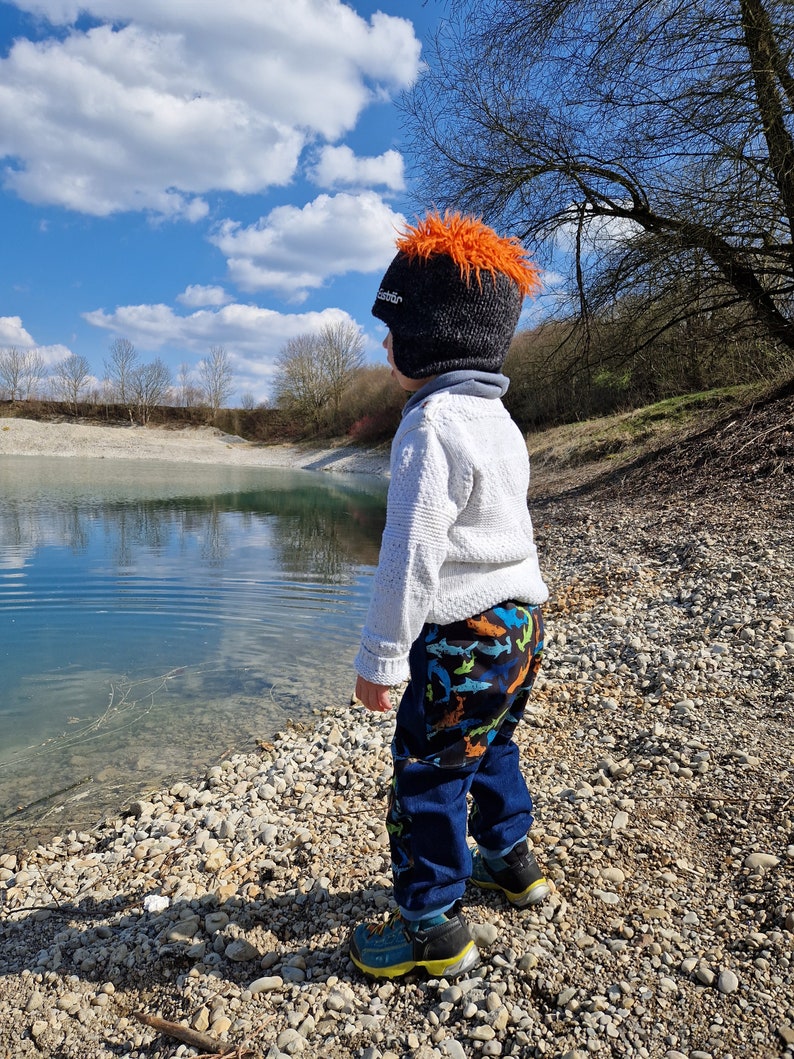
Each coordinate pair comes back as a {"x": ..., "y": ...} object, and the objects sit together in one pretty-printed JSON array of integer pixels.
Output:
[{"x": 452, "y": 296}]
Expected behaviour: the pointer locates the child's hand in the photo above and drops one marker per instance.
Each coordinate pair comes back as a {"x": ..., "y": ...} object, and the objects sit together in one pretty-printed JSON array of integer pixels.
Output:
[{"x": 374, "y": 696}]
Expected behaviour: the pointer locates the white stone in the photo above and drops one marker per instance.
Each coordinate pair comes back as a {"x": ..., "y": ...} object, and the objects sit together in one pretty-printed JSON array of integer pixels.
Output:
[
  {"x": 761, "y": 860},
  {"x": 607, "y": 897},
  {"x": 612, "y": 874},
  {"x": 266, "y": 984},
  {"x": 483, "y": 1032},
  {"x": 727, "y": 982},
  {"x": 484, "y": 934},
  {"x": 215, "y": 860},
  {"x": 156, "y": 903},
  {"x": 705, "y": 975}
]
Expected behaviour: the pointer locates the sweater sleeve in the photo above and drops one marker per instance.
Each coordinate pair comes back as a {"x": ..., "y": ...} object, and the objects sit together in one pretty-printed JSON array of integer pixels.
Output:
[{"x": 420, "y": 511}]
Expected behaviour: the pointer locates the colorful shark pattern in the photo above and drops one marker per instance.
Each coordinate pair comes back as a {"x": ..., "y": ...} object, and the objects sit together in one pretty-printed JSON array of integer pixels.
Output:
[{"x": 478, "y": 672}]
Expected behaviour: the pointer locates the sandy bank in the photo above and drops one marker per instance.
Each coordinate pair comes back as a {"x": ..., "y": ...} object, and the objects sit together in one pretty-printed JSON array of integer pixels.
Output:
[{"x": 28, "y": 437}]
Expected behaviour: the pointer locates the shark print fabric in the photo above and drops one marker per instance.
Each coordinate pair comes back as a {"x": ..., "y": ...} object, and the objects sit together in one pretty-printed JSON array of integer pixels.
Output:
[{"x": 479, "y": 674}]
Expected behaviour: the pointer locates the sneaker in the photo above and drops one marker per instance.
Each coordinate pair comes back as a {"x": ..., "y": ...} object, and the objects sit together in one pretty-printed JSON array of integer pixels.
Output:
[
  {"x": 441, "y": 944},
  {"x": 516, "y": 874}
]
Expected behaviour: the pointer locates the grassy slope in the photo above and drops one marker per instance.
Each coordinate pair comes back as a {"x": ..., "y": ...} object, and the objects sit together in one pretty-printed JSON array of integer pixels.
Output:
[{"x": 567, "y": 456}]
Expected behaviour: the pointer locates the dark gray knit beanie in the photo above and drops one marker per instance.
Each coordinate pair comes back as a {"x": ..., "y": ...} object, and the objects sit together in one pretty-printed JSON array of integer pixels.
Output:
[{"x": 452, "y": 296}]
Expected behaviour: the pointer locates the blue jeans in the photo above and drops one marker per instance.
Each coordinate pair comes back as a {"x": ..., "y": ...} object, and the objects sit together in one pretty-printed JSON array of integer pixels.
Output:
[{"x": 468, "y": 689}]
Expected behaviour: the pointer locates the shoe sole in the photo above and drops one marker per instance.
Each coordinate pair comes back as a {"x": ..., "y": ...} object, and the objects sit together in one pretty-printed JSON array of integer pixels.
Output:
[
  {"x": 452, "y": 967},
  {"x": 535, "y": 893}
]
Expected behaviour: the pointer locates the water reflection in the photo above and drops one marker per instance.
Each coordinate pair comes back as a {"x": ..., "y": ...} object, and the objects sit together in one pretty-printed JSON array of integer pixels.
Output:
[
  {"x": 150, "y": 611},
  {"x": 323, "y": 526}
]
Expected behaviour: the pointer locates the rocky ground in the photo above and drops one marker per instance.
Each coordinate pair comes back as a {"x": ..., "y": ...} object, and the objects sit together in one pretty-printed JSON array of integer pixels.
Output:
[{"x": 659, "y": 747}]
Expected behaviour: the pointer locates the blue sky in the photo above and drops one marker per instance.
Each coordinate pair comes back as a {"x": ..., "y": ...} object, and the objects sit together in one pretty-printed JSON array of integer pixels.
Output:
[{"x": 193, "y": 174}]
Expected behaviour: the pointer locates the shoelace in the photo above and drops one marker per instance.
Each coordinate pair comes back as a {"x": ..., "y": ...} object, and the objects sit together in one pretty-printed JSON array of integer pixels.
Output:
[{"x": 379, "y": 928}]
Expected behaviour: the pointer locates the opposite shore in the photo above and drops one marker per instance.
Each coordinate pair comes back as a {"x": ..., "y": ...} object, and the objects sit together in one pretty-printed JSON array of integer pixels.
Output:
[{"x": 29, "y": 437}]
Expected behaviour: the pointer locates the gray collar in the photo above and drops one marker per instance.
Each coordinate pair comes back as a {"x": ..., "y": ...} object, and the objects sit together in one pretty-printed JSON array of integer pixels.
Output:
[{"x": 487, "y": 384}]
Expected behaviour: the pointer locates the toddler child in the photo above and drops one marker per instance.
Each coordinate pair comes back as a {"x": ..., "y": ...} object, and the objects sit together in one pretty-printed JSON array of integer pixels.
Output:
[{"x": 456, "y": 600}]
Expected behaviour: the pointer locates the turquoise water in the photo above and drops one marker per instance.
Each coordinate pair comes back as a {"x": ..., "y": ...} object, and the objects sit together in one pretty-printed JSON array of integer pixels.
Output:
[{"x": 154, "y": 616}]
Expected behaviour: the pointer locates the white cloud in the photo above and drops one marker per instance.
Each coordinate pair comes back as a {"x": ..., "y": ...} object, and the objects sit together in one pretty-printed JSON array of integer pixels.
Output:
[
  {"x": 293, "y": 250},
  {"x": 167, "y": 102},
  {"x": 551, "y": 280},
  {"x": 339, "y": 166},
  {"x": 247, "y": 331},
  {"x": 52, "y": 355},
  {"x": 253, "y": 337},
  {"x": 598, "y": 233},
  {"x": 12, "y": 333},
  {"x": 196, "y": 296}
]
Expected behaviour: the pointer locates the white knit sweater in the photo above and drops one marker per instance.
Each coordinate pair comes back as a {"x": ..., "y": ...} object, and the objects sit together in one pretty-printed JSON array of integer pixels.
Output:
[{"x": 458, "y": 536}]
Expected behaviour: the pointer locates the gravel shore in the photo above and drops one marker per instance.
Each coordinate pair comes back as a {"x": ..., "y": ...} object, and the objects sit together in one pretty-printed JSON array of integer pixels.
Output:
[{"x": 659, "y": 749}]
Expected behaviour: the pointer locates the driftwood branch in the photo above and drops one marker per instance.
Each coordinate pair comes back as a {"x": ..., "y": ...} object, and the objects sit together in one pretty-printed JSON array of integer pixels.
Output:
[{"x": 202, "y": 1041}]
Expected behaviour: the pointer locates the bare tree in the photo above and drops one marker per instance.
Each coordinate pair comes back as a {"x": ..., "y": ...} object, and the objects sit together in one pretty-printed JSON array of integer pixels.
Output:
[
  {"x": 36, "y": 372},
  {"x": 21, "y": 373},
  {"x": 313, "y": 371},
  {"x": 11, "y": 373},
  {"x": 120, "y": 368},
  {"x": 298, "y": 384},
  {"x": 148, "y": 387},
  {"x": 71, "y": 378},
  {"x": 188, "y": 393},
  {"x": 340, "y": 350},
  {"x": 215, "y": 375},
  {"x": 655, "y": 141}
]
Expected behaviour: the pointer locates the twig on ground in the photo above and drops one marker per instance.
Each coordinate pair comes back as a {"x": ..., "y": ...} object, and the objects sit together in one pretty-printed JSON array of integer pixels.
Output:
[
  {"x": 185, "y": 1034},
  {"x": 763, "y": 434}
]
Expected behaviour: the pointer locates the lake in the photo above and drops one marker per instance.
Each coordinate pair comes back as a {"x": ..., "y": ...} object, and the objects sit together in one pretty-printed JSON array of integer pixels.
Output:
[{"x": 156, "y": 616}]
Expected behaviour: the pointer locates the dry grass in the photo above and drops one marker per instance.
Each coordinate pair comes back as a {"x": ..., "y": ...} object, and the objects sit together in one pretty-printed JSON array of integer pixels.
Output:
[{"x": 568, "y": 456}]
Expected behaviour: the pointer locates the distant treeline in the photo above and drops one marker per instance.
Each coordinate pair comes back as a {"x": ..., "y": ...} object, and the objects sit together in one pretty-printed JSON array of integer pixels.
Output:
[{"x": 559, "y": 373}]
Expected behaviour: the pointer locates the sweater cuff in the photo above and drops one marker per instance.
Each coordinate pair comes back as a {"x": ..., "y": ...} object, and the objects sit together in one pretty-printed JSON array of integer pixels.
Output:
[{"x": 379, "y": 670}]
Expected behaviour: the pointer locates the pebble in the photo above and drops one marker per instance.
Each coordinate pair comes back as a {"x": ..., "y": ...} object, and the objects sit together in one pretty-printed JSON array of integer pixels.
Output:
[
  {"x": 705, "y": 975},
  {"x": 727, "y": 982},
  {"x": 241, "y": 951},
  {"x": 658, "y": 766},
  {"x": 266, "y": 984},
  {"x": 607, "y": 897},
  {"x": 761, "y": 860},
  {"x": 215, "y": 921},
  {"x": 484, "y": 934},
  {"x": 614, "y": 875},
  {"x": 185, "y": 930},
  {"x": 482, "y": 1033}
]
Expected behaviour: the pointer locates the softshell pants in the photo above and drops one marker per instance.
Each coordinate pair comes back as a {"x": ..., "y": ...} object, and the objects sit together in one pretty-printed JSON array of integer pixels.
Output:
[{"x": 469, "y": 684}]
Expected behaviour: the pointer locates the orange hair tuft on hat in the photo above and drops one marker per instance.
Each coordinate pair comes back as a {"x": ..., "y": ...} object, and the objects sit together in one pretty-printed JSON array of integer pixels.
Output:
[
  {"x": 473, "y": 246},
  {"x": 440, "y": 319}
]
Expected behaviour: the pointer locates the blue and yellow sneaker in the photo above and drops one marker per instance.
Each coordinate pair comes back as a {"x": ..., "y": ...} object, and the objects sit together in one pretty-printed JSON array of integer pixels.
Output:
[
  {"x": 516, "y": 874},
  {"x": 442, "y": 945}
]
